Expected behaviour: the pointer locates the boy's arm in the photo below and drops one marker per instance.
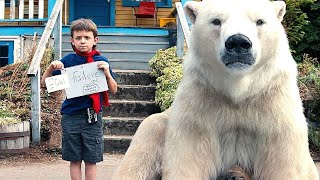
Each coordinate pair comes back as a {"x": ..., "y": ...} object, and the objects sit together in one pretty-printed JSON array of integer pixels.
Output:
[
  {"x": 54, "y": 65},
  {"x": 112, "y": 84}
]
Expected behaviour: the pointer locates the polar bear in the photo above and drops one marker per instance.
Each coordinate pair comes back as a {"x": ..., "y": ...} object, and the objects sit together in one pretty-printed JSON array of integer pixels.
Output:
[{"x": 238, "y": 102}]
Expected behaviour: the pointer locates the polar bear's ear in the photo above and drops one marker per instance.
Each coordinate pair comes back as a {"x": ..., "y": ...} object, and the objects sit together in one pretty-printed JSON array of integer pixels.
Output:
[
  {"x": 192, "y": 9},
  {"x": 280, "y": 8}
]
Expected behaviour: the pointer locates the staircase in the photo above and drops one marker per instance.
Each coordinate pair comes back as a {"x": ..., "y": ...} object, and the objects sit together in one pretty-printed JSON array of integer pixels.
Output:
[
  {"x": 133, "y": 102},
  {"x": 129, "y": 51},
  {"x": 126, "y": 50}
]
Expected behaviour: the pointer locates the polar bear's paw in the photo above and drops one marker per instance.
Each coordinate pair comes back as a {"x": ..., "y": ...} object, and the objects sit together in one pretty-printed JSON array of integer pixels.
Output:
[{"x": 236, "y": 173}]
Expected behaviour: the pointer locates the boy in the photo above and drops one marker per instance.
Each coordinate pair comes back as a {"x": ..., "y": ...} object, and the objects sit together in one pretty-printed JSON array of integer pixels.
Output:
[{"x": 81, "y": 116}]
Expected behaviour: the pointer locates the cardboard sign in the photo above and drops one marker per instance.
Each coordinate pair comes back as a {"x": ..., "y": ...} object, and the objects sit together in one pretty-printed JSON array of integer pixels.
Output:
[
  {"x": 56, "y": 83},
  {"x": 85, "y": 79}
]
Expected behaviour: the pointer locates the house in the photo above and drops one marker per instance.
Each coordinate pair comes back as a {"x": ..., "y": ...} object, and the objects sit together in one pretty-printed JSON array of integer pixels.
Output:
[{"x": 21, "y": 21}]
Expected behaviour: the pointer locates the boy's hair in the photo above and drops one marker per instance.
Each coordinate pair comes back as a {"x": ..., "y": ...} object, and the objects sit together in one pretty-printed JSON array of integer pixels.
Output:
[{"x": 84, "y": 24}]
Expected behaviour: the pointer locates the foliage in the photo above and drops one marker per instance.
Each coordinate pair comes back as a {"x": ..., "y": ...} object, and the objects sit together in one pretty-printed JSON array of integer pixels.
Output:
[
  {"x": 309, "y": 85},
  {"x": 301, "y": 23},
  {"x": 167, "y": 68},
  {"x": 314, "y": 136},
  {"x": 15, "y": 89},
  {"x": 7, "y": 116},
  {"x": 309, "y": 44}
]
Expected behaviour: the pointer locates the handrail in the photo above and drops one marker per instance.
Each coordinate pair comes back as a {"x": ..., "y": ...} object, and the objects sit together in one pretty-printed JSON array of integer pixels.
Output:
[
  {"x": 35, "y": 62},
  {"x": 183, "y": 30},
  {"x": 34, "y": 69}
]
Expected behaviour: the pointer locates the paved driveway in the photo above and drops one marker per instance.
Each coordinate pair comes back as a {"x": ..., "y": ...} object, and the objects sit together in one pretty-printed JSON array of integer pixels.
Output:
[{"x": 59, "y": 170}]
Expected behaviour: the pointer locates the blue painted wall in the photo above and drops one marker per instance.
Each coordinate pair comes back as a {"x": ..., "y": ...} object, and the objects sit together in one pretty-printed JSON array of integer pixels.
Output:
[{"x": 30, "y": 30}]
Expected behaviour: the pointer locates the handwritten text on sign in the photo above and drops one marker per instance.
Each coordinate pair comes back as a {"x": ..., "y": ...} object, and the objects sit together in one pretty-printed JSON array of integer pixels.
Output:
[
  {"x": 56, "y": 83},
  {"x": 85, "y": 79}
]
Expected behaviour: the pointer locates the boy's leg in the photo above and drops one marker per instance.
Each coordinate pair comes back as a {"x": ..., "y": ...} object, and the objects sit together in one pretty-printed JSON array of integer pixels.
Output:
[
  {"x": 75, "y": 170},
  {"x": 90, "y": 171}
]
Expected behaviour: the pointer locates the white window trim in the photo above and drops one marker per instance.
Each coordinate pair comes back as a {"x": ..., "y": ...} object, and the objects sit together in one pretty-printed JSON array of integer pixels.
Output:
[{"x": 16, "y": 46}]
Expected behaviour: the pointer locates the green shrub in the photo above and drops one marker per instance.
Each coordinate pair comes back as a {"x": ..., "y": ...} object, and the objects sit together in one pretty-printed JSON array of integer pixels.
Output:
[
  {"x": 302, "y": 26},
  {"x": 7, "y": 116},
  {"x": 309, "y": 85},
  {"x": 167, "y": 68},
  {"x": 309, "y": 44},
  {"x": 162, "y": 59}
]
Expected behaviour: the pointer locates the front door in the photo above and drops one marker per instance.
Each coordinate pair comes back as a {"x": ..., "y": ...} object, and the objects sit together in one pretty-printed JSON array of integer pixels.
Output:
[{"x": 96, "y": 10}]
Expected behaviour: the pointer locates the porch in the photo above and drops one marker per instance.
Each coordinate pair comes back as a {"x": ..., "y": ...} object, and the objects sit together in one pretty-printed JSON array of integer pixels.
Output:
[
  {"x": 115, "y": 13},
  {"x": 120, "y": 39}
]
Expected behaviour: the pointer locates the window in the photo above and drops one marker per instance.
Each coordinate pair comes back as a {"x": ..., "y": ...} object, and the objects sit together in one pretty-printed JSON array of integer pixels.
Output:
[
  {"x": 136, "y": 3},
  {"x": 6, "y": 53}
]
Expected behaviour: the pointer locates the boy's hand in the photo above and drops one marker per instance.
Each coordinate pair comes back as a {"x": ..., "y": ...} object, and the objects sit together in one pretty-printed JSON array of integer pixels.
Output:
[
  {"x": 56, "y": 65},
  {"x": 105, "y": 66}
]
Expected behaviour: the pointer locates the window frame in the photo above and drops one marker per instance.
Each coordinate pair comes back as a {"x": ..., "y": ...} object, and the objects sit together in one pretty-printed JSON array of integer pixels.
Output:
[
  {"x": 10, "y": 45},
  {"x": 129, "y": 3}
]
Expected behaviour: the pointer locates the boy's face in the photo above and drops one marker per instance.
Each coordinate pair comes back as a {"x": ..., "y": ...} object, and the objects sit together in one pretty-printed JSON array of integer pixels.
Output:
[{"x": 83, "y": 40}]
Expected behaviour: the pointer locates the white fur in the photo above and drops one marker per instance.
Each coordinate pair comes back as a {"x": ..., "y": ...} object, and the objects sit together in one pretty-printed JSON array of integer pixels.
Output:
[{"x": 221, "y": 117}]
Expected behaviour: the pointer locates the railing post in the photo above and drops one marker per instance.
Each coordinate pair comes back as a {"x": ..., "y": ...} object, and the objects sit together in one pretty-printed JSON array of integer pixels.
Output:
[
  {"x": 34, "y": 71},
  {"x": 180, "y": 38},
  {"x": 2, "y": 8},
  {"x": 183, "y": 30},
  {"x": 57, "y": 36},
  {"x": 35, "y": 107}
]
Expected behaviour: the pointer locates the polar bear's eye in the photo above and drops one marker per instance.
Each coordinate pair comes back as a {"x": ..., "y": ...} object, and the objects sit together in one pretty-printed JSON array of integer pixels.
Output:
[
  {"x": 260, "y": 22},
  {"x": 216, "y": 22}
]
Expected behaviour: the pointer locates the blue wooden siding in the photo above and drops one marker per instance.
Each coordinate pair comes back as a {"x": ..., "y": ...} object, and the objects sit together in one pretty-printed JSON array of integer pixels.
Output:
[
  {"x": 30, "y": 30},
  {"x": 126, "y": 30}
]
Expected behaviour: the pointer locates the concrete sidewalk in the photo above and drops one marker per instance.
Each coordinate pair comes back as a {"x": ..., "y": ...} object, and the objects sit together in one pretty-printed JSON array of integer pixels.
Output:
[{"x": 59, "y": 170}]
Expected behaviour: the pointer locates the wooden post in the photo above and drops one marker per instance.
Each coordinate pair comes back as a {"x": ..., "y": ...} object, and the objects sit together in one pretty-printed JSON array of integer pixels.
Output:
[
  {"x": 183, "y": 22},
  {"x": 40, "y": 9},
  {"x": 180, "y": 38},
  {"x": 21, "y": 9},
  {"x": 12, "y": 9},
  {"x": 34, "y": 70},
  {"x": 31, "y": 9},
  {"x": 57, "y": 36},
  {"x": 182, "y": 29},
  {"x": 2, "y": 8},
  {"x": 35, "y": 108}
]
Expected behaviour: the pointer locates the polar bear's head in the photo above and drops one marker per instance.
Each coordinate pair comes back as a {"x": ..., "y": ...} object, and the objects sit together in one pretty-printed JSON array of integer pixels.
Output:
[{"x": 236, "y": 35}]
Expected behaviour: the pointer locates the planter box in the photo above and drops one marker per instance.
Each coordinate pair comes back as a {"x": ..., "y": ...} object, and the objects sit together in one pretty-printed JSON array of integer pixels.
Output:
[{"x": 14, "y": 138}]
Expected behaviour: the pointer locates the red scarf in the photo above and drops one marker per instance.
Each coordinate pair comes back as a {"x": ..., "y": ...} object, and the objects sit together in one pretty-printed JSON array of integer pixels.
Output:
[{"x": 95, "y": 97}]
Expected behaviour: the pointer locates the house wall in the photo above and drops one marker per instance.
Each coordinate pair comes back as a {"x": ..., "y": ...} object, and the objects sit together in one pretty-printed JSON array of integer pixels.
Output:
[
  {"x": 26, "y": 14},
  {"x": 124, "y": 16}
]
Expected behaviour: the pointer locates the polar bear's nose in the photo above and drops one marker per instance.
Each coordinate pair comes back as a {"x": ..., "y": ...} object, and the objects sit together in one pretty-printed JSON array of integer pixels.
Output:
[{"x": 238, "y": 43}]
